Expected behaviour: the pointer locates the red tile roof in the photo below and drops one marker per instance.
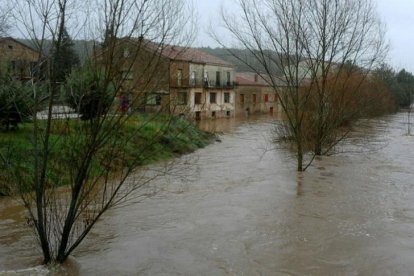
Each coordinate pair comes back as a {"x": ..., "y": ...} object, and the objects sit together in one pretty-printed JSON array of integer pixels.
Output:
[
  {"x": 174, "y": 52},
  {"x": 193, "y": 55},
  {"x": 249, "y": 79},
  {"x": 9, "y": 38}
]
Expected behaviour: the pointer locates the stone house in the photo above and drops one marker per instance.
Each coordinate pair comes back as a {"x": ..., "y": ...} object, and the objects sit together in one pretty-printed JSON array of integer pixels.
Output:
[
  {"x": 18, "y": 59},
  {"x": 254, "y": 95},
  {"x": 180, "y": 80}
]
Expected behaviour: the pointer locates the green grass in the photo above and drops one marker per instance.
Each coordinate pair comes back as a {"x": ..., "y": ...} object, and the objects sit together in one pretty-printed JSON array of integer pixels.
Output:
[{"x": 141, "y": 140}]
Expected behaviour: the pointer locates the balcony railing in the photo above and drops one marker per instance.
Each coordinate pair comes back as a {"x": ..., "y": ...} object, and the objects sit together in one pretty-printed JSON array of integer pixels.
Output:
[
  {"x": 196, "y": 83},
  {"x": 211, "y": 84},
  {"x": 223, "y": 85}
]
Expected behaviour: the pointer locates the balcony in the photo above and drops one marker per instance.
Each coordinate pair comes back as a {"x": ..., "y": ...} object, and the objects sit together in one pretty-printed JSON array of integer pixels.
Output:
[
  {"x": 223, "y": 85},
  {"x": 198, "y": 83}
]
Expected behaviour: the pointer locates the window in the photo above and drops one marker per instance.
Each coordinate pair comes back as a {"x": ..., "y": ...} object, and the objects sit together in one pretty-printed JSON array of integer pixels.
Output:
[
  {"x": 226, "y": 97},
  {"x": 266, "y": 98},
  {"x": 12, "y": 65},
  {"x": 213, "y": 114},
  {"x": 228, "y": 79},
  {"x": 158, "y": 99},
  {"x": 193, "y": 78},
  {"x": 206, "y": 80},
  {"x": 213, "y": 97},
  {"x": 241, "y": 98},
  {"x": 151, "y": 99},
  {"x": 154, "y": 99},
  {"x": 218, "y": 81},
  {"x": 127, "y": 75},
  {"x": 254, "y": 98},
  {"x": 10, "y": 47},
  {"x": 182, "y": 98},
  {"x": 228, "y": 113},
  {"x": 179, "y": 77},
  {"x": 197, "y": 98}
]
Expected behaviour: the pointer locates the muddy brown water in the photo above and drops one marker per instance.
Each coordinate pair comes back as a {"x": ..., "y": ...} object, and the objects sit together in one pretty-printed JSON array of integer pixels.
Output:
[{"x": 239, "y": 209}]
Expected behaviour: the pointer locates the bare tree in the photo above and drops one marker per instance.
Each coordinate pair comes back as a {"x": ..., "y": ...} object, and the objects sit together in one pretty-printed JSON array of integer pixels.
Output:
[
  {"x": 4, "y": 18},
  {"x": 92, "y": 155},
  {"x": 349, "y": 41},
  {"x": 302, "y": 46},
  {"x": 274, "y": 43}
]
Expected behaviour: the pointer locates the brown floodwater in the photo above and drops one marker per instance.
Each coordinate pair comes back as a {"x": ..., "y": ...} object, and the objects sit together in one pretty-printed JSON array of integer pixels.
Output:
[{"x": 238, "y": 207}]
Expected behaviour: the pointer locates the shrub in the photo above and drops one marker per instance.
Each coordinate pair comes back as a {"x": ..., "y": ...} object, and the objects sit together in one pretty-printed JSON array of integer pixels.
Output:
[
  {"x": 16, "y": 103},
  {"x": 87, "y": 94}
]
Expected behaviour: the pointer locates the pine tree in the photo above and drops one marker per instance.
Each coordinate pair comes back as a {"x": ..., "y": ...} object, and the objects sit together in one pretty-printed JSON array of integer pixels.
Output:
[{"x": 66, "y": 59}]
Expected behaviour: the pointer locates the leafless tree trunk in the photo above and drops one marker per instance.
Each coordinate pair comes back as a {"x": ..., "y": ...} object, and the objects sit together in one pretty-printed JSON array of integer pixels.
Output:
[
  {"x": 301, "y": 47},
  {"x": 89, "y": 155}
]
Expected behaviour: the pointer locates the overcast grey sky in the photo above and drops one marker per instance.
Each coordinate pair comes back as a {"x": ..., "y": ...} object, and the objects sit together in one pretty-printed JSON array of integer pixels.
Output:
[{"x": 398, "y": 16}]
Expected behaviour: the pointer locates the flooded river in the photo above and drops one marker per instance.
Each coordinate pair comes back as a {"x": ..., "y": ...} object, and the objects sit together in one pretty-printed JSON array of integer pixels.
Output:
[{"x": 239, "y": 209}]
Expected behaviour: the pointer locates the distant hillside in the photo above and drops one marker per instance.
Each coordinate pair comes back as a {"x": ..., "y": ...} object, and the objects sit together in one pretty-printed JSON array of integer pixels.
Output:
[
  {"x": 82, "y": 47},
  {"x": 225, "y": 55},
  {"x": 236, "y": 57}
]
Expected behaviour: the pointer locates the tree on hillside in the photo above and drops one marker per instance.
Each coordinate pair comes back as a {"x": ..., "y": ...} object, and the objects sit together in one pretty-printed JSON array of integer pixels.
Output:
[
  {"x": 233, "y": 56},
  {"x": 95, "y": 157},
  {"x": 310, "y": 43},
  {"x": 401, "y": 86},
  {"x": 404, "y": 88},
  {"x": 405, "y": 92}
]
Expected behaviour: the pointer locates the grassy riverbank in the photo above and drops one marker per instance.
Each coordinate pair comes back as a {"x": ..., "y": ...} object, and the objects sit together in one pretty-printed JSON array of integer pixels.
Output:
[{"x": 141, "y": 139}]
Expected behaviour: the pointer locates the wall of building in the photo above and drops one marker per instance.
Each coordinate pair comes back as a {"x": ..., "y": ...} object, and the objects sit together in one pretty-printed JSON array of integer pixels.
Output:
[
  {"x": 179, "y": 79},
  {"x": 17, "y": 59},
  {"x": 203, "y": 83},
  {"x": 143, "y": 80},
  {"x": 196, "y": 76},
  {"x": 210, "y": 72},
  {"x": 255, "y": 99}
]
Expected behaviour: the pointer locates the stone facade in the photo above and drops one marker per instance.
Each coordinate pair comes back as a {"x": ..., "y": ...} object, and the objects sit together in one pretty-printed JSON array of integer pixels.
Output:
[
  {"x": 18, "y": 59},
  {"x": 254, "y": 95}
]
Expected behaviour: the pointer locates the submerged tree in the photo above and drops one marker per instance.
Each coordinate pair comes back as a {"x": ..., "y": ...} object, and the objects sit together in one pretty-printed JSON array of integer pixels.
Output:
[
  {"x": 404, "y": 90},
  {"x": 401, "y": 86},
  {"x": 302, "y": 46},
  {"x": 95, "y": 158}
]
